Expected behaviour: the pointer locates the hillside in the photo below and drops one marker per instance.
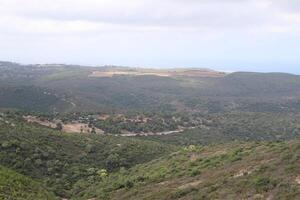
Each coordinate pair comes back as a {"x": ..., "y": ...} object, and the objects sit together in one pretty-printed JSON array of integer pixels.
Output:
[
  {"x": 63, "y": 162},
  {"x": 33, "y": 98},
  {"x": 89, "y": 166},
  {"x": 18, "y": 187},
  {"x": 115, "y": 132},
  {"x": 123, "y": 89},
  {"x": 241, "y": 126},
  {"x": 229, "y": 171}
]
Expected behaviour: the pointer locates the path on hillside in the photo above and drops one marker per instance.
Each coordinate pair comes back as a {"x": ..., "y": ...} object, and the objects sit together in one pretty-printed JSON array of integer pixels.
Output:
[{"x": 158, "y": 133}]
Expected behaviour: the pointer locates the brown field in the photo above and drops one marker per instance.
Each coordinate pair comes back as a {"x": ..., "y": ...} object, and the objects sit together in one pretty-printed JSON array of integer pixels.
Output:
[
  {"x": 33, "y": 119},
  {"x": 73, "y": 127},
  {"x": 103, "y": 117},
  {"x": 158, "y": 72},
  {"x": 77, "y": 127}
]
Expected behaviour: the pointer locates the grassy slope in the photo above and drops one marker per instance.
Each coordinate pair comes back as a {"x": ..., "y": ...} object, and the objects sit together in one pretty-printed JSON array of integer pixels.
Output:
[
  {"x": 18, "y": 187},
  {"x": 60, "y": 160},
  {"x": 230, "y": 171}
]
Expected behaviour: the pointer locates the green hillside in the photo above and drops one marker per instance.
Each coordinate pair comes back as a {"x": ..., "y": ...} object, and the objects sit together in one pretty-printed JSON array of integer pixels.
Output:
[
  {"x": 230, "y": 171},
  {"x": 241, "y": 126},
  {"x": 87, "y": 166},
  {"x": 18, "y": 187},
  {"x": 73, "y": 87},
  {"x": 147, "y": 134},
  {"x": 64, "y": 161},
  {"x": 31, "y": 98}
]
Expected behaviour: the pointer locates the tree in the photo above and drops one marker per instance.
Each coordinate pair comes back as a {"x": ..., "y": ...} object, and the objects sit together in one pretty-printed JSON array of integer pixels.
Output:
[
  {"x": 59, "y": 126},
  {"x": 102, "y": 173},
  {"x": 112, "y": 161}
]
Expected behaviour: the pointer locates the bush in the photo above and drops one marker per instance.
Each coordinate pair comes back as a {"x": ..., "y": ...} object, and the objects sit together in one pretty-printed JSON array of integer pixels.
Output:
[
  {"x": 264, "y": 184},
  {"x": 195, "y": 172}
]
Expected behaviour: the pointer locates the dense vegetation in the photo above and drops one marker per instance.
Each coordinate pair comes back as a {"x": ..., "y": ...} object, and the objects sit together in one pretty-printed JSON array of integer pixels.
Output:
[
  {"x": 257, "y": 92},
  {"x": 83, "y": 166},
  {"x": 232, "y": 171},
  {"x": 233, "y": 137},
  {"x": 30, "y": 98},
  {"x": 18, "y": 187},
  {"x": 66, "y": 161},
  {"x": 242, "y": 126},
  {"x": 130, "y": 122}
]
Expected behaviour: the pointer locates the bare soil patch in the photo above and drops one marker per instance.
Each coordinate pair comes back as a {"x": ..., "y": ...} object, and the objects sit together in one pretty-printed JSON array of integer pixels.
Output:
[
  {"x": 244, "y": 172},
  {"x": 79, "y": 128},
  {"x": 34, "y": 119},
  {"x": 72, "y": 127},
  {"x": 297, "y": 179},
  {"x": 192, "y": 184}
]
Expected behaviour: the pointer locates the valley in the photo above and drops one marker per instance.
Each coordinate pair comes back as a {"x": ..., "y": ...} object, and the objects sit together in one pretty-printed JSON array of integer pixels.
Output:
[
  {"x": 110, "y": 132},
  {"x": 149, "y": 100}
]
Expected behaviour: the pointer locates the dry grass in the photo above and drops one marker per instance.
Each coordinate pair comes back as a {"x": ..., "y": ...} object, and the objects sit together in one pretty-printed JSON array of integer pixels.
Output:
[
  {"x": 77, "y": 127},
  {"x": 34, "y": 119},
  {"x": 73, "y": 127},
  {"x": 158, "y": 72}
]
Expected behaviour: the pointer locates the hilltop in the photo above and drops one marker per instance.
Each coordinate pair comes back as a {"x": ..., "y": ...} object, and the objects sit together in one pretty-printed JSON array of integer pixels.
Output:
[
  {"x": 176, "y": 72},
  {"x": 72, "y": 88}
]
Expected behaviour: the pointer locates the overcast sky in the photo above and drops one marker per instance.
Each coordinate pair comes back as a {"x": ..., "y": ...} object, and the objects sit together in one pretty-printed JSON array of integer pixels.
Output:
[{"x": 231, "y": 35}]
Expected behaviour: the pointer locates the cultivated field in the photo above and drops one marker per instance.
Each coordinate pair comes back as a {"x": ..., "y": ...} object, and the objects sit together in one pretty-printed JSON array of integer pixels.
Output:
[{"x": 157, "y": 72}]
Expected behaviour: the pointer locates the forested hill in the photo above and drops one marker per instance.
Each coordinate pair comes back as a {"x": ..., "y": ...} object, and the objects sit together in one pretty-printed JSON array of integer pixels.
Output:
[
  {"x": 57, "y": 165},
  {"x": 64, "y": 163},
  {"x": 69, "y": 88},
  {"x": 77, "y": 132}
]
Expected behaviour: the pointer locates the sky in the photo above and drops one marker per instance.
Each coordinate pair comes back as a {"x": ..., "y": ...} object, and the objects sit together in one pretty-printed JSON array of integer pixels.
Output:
[{"x": 229, "y": 35}]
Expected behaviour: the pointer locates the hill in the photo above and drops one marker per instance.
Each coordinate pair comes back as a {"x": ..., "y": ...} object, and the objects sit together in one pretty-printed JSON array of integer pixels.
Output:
[
  {"x": 130, "y": 133},
  {"x": 63, "y": 162},
  {"x": 18, "y": 187},
  {"x": 228, "y": 171},
  {"x": 90, "y": 166},
  {"x": 123, "y": 89},
  {"x": 177, "y": 72}
]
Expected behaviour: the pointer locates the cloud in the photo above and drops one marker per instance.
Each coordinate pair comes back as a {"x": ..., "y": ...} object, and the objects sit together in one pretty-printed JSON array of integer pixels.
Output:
[
  {"x": 150, "y": 32},
  {"x": 200, "y": 14}
]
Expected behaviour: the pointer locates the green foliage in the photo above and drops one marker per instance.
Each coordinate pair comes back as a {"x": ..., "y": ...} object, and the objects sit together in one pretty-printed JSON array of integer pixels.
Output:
[
  {"x": 242, "y": 126},
  {"x": 237, "y": 107},
  {"x": 59, "y": 126},
  {"x": 102, "y": 173},
  {"x": 83, "y": 166},
  {"x": 209, "y": 172},
  {"x": 264, "y": 184},
  {"x": 30, "y": 98},
  {"x": 62, "y": 161},
  {"x": 18, "y": 187},
  {"x": 72, "y": 87}
]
